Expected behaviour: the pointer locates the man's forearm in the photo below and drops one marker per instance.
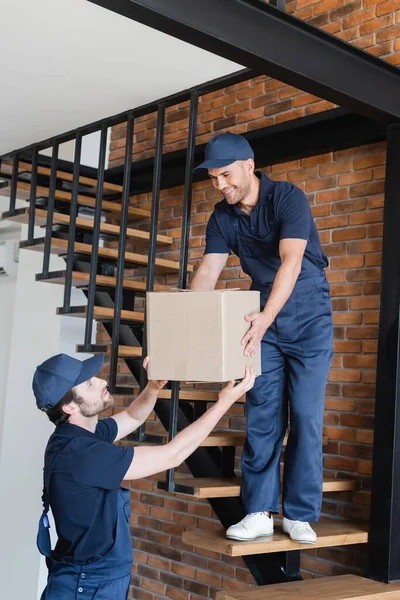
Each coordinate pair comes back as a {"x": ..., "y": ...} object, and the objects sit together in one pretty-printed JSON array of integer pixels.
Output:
[
  {"x": 142, "y": 406},
  {"x": 202, "y": 282},
  {"x": 284, "y": 283}
]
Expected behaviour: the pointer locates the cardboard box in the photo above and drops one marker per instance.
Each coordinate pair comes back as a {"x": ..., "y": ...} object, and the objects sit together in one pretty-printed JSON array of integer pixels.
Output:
[{"x": 196, "y": 336}]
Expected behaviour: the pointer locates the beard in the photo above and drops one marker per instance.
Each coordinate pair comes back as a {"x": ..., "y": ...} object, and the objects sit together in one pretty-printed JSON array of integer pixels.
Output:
[
  {"x": 241, "y": 191},
  {"x": 93, "y": 410}
]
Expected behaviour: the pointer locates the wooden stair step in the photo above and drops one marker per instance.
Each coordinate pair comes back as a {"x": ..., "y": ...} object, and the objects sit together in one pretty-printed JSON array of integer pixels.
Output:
[
  {"x": 329, "y": 532},
  {"x": 101, "y": 313},
  {"x": 60, "y": 246},
  {"x": 22, "y": 216},
  {"x": 106, "y": 205},
  {"x": 81, "y": 280},
  {"x": 123, "y": 351},
  {"x": 338, "y": 587},
  {"x": 235, "y": 438},
  {"x": 190, "y": 394},
  {"x": 63, "y": 175},
  {"x": 207, "y": 487}
]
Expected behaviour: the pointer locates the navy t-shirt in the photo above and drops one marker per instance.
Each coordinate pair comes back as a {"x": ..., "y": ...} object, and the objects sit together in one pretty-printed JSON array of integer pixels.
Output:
[
  {"x": 84, "y": 489},
  {"x": 283, "y": 212}
]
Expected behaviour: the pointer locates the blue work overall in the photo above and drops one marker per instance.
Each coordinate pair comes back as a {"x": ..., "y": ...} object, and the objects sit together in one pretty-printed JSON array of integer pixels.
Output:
[
  {"x": 105, "y": 579},
  {"x": 296, "y": 353}
]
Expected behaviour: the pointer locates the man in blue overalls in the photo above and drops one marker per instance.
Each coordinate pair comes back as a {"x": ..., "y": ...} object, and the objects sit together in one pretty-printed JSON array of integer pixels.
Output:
[
  {"x": 83, "y": 472},
  {"x": 269, "y": 226}
]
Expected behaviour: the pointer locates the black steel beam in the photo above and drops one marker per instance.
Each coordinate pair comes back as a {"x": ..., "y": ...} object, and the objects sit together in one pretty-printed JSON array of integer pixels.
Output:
[
  {"x": 323, "y": 132},
  {"x": 384, "y": 539},
  {"x": 259, "y": 36}
]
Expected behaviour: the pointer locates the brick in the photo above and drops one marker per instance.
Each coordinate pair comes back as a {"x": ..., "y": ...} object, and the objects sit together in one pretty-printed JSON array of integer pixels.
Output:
[
  {"x": 320, "y": 184},
  {"x": 196, "y": 588},
  {"x": 357, "y": 391},
  {"x": 388, "y": 34},
  {"x": 366, "y": 189},
  {"x": 362, "y": 333},
  {"x": 375, "y": 230},
  {"x": 345, "y": 375},
  {"x": 365, "y": 246},
  {"x": 237, "y": 108},
  {"x": 359, "y": 17},
  {"x": 373, "y": 216},
  {"x": 347, "y": 262},
  {"x": 372, "y": 274},
  {"x": 347, "y": 318},
  {"x": 376, "y": 25},
  {"x": 332, "y": 222},
  {"x": 354, "y": 289},
  {"x": 356, "y": 177},
  {"x": 340, "y": 404},
  {"x": 370, "y": 160},
  {"x": 349, "y": 206},
  {"x": 373, "y": 260},
  {"x": 349, "y": 233},
  {"x": 364, "y": 302},
  {"x": 372, "y": 288},
  {"x": 339, "y": 463},
  {"x": 332, "y": 195},
  {"x": 342, "y": 347},
  {"x": 278, "y": 107},
  {"x": 335, "y": 168},
  {"x": 224, "y": 123},
  {"x": 339, "y": 303}
]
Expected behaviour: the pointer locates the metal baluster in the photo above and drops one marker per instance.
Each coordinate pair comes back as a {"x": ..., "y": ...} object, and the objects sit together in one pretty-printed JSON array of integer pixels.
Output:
[
  {"x": 32, "y": 197},
  {"x": 187, "y": 207},
  {"x": 155, "y": 204},
  {"x": 50, "y": 211},
  {"x": 72, "y": 223},
  {"x": 95, "y": 239},
  {"x": 14, "y": 180},
  {"x": 118, "y": 302}
]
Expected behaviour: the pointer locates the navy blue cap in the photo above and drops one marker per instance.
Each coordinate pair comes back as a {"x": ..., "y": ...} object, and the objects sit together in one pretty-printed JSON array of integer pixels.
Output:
[
  {"x": 60, "y": 373},
  {"x": 224, "y": 149}
]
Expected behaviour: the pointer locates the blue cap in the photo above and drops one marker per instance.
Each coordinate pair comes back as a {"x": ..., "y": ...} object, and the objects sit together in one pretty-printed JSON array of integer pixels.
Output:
[
  {"x": 225, "y": 149},
  {"x": 60, "y": 373}
]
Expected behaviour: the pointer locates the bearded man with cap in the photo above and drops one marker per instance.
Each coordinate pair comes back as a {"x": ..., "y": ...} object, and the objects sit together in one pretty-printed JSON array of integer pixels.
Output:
[
  {"x": 269, "y": 226},
  {"x": 83, "y": 472}
]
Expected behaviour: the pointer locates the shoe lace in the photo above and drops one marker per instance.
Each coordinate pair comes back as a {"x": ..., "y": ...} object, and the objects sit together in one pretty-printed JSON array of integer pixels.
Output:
[
  {"x": 250, "y": 517},
  {"x": 302, "y": 525}
]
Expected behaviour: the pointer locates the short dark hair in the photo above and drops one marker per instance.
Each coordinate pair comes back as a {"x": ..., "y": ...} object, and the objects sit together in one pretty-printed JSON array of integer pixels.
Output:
[{"x": 56, "y": 413}]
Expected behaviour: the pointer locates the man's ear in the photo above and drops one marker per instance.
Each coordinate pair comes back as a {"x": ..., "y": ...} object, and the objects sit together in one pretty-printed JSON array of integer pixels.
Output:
[
  {"x": 70, "y": 409},
  {"x": 250, "y": 166}
]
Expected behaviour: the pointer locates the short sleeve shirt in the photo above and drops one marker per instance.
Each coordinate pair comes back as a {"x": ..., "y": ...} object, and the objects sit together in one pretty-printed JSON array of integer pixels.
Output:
[
  {"x": 84, "y": 489},
  {"x": 281, "y": 206}
]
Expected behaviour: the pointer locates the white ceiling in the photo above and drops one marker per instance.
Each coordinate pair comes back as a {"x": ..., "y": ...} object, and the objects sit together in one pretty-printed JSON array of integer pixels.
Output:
[{"x": 67, "y": 63}]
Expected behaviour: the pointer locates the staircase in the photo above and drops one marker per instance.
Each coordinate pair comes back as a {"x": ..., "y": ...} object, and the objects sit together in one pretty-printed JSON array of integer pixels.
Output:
[{"x": 116, "y": 300}]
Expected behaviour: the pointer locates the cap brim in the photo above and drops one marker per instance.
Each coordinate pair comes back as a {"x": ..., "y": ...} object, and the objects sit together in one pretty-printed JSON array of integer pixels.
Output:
[
  {"x": 90, "y": 368},
  {"x": 216, "y": 163}
]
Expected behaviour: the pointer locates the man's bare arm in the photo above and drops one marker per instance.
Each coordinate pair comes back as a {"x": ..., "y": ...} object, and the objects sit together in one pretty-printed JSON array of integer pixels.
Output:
[{"x": 208, "y": 272}]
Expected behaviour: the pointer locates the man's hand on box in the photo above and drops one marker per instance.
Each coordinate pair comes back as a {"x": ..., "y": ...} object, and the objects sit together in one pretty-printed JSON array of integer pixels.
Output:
[
  {"x": 231, "y": 392},
  {"x": 259, "y": 323},
  {"x": 153, "y": 383}
]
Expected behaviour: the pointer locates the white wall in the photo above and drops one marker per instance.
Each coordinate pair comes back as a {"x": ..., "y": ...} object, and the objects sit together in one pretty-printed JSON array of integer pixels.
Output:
[
  {"x": 89, "y": 151},
  {"x": 35, "y": 333}
]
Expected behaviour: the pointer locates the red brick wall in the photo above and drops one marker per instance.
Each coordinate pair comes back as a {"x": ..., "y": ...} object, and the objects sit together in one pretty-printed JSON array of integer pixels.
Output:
[{"x": 345, "y": 191}]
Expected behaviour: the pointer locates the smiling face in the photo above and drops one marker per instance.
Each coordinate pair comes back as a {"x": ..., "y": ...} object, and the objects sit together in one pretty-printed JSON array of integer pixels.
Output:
[
  {"x": 93, "y": 396},
  {"x": 234, "y": 180}
]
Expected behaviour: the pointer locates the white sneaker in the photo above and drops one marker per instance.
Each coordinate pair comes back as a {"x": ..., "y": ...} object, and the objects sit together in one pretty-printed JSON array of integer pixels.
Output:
[
  {"x": 299, "y": 531},
  {"x": 251, "y": 527}
]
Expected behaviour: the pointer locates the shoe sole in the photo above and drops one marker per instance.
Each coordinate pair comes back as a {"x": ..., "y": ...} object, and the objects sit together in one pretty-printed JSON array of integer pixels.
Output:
[{"x": 239, "y": 539}]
